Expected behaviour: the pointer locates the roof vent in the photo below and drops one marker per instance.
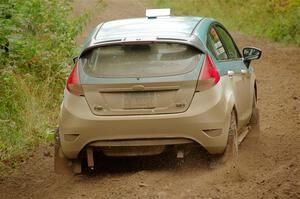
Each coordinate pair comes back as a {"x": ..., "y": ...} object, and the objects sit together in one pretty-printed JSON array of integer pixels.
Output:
[{"x": 154, "y": 13}]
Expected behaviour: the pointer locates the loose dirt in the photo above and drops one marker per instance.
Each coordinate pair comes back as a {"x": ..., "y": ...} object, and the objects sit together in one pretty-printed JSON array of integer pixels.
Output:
[{"x": 269, "y": 160}]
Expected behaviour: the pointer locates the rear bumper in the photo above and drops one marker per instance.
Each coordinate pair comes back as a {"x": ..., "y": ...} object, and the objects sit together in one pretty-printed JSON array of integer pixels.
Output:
[{"x": 208, "y": 110}]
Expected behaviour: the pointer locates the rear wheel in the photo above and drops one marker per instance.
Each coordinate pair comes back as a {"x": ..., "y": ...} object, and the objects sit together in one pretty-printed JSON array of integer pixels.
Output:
[
  {"x": 254, "y": 123},
  {"x": 230, "y": 155},
  {"x": 254, "y": 120},
  {"x": 231, "y": 152}
]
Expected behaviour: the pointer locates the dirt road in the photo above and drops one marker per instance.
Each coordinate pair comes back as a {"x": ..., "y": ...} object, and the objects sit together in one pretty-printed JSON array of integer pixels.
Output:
[{"x": 269, "y": 160}]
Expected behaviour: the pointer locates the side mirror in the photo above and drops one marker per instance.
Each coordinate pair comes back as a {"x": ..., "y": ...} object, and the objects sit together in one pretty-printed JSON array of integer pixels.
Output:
[
  {"x": 251, "y": 53},
  {"x": 75, "y": 59}
]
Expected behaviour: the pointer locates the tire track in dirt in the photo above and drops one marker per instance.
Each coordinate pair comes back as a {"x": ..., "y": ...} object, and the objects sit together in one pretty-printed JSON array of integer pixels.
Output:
[{"x": 268, "y": 162}]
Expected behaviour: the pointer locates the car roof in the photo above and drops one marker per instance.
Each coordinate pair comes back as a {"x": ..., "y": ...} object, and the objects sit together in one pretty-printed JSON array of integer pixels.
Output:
[
  {"x": 164, "y": 27},
  {"x": 169, "y": 29}
]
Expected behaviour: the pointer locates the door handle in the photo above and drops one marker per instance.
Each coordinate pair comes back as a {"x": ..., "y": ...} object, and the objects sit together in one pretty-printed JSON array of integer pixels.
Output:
[
  {"x": 230, "y": 73},
  {"x": 244, "y": 72}
]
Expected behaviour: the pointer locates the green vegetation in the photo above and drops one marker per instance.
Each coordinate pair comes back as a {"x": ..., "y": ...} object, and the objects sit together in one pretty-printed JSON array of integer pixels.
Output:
[
  {"x": 275, "y": 19},
  {"x": 36, "y": 47}
]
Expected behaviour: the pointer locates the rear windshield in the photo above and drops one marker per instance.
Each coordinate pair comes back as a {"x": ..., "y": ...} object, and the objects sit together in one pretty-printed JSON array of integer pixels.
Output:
[{"x": 143, "y": 60}]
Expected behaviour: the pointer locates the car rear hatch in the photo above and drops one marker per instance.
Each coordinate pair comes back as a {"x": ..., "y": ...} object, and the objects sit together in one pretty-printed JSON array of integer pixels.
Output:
[{"x": 135, "y": 79}]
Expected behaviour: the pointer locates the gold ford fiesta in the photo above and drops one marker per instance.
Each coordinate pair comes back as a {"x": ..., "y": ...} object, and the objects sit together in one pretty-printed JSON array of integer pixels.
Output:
[{"x": 140, "y": 86}]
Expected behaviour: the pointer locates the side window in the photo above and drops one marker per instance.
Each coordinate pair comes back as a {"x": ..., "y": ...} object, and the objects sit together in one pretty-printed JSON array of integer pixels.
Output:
[
  {"x": 215, "y": 45},
  {"x": 232, "y": 51}
]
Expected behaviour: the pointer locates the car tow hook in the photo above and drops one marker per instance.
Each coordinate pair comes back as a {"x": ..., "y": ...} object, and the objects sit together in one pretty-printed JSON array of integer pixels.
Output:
[
  {"x": 180, "y": 154},
  {"x": 90, "y": 158}
]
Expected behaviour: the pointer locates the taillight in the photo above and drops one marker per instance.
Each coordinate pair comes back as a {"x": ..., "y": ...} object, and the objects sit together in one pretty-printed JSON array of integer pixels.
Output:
[
  {"x": 73, "y": 83},
  {"x": 209, "y": 75}
]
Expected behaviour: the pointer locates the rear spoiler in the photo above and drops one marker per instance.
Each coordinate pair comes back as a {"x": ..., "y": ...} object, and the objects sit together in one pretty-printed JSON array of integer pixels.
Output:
[{"x": 193, "y": 41}]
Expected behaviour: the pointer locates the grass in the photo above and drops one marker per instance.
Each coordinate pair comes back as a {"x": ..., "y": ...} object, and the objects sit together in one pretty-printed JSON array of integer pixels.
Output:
[
  {"x": 37, "y": 44},
  {"x": 27, "y": 120}
]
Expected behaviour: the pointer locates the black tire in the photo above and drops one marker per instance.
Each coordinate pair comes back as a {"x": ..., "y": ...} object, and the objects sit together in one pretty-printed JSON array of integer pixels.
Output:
[
  {"x": 230, "y": 154},
  {"x": 254, "y": 120},
  {"x": 254, "y": 123}
]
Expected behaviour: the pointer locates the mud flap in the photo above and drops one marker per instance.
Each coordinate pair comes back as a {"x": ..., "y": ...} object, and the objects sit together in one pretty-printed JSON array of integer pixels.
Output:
[{"x": 62, "y": 165}]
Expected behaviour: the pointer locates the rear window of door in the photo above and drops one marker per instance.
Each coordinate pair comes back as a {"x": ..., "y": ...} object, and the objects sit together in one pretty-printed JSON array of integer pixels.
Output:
[
  {"x": 215, "y": 44},
  {"x": 230, "y": 47}
]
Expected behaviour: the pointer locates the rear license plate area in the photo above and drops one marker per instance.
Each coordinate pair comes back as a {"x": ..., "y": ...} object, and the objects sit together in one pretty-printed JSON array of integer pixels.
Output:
[{"x": 139, "y": 100}]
